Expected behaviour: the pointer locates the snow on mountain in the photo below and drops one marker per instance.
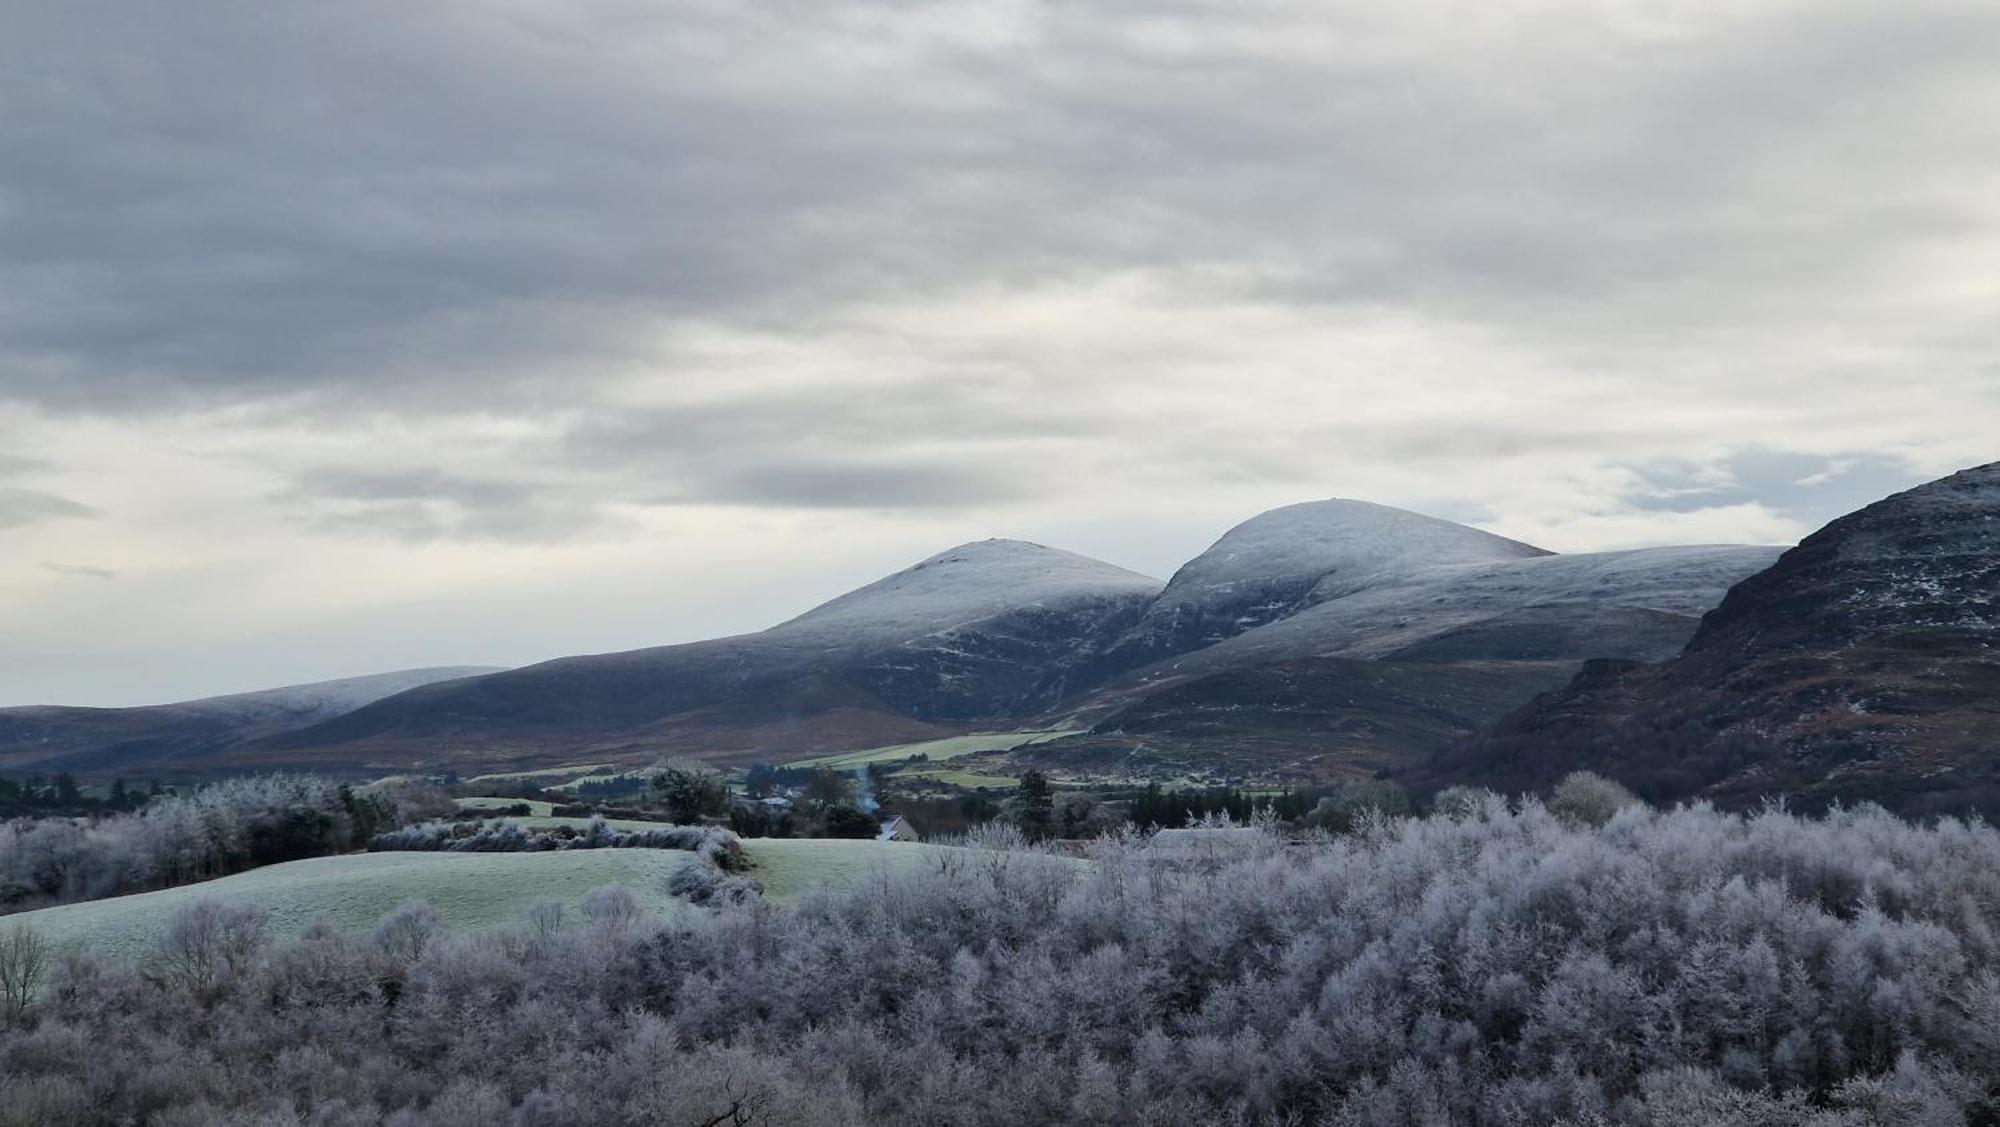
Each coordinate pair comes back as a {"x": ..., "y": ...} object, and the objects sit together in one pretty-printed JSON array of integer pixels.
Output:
[
  {"x": 318, "y": 700},
  {"x": 967, "y": 584},
  {"x": 1337, "y": 543},
  {"x": 1279, "y": 562},
  {"x": 1634, "y": 603}
]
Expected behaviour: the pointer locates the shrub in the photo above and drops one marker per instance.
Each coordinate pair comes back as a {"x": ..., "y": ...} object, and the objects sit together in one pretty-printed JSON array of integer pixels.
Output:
[
  {"x": 1589, "y": 799},
  {"x": 848, "y": 822},
  {"x": 508, "y": 836},
  {"x": 1340, "y": 811},
  {"x": 690, "y": 790}
]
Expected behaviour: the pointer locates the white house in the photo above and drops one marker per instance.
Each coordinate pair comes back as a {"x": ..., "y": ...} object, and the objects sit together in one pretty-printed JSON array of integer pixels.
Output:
[{"x": 896, "y": 829}]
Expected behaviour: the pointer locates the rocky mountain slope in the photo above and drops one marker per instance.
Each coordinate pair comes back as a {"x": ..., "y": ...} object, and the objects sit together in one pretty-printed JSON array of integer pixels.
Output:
[
  {"x": 84, "y": 739},
  {"x": 1863, "y": 664}
]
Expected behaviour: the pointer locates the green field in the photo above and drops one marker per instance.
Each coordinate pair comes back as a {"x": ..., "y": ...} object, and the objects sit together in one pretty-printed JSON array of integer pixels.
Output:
[
  {"x": 472, "y": 890},
  {"x": 960, "y": 778},
  {"x": 536, "y": 808},
  {"x": 578, "y": 769},
  {"x": 788, "y": 868},
  {"x": 949, "y": 748}
]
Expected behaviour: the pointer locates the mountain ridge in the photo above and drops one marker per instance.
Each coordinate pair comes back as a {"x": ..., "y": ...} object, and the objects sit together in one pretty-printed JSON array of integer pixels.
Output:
[
  {"x": 1864, "y": 664},
  {"x": 1012, "y": 633}
]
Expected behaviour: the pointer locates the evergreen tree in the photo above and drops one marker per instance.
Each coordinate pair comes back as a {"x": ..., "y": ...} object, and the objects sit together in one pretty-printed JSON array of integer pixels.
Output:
[{"x": 1035, "y": 803}]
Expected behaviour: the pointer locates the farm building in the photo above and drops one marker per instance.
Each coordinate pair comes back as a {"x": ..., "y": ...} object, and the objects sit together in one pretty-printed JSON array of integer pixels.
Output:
[{"x": 895, "y": 828}]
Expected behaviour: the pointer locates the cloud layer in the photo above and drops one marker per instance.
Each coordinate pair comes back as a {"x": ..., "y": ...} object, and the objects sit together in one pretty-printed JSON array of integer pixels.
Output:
[{"x": 344, "y": 337}]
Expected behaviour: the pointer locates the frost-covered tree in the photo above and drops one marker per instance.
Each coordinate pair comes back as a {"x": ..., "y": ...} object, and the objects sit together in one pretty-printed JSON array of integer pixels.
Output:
[{"x": 1492, "y": 963}]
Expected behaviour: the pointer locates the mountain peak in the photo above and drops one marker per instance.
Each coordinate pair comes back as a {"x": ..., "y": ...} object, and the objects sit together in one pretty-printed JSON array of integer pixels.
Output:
[
  {"x": 1335, "y": 543},
  {"x": 1281, "y": 561},
  {"x": 973, "y": 581}
]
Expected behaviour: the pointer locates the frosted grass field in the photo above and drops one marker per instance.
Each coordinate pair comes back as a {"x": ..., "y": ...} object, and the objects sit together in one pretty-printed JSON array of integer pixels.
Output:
[
  {"x": 537, "y": 808},
  {"x": 950, "y": 747},
  {"x": 788, "y": 868},
  {"x": 471, "y": 890},
  {"x": 574, "y": 769},
  {"x": 960, "y": 778}
]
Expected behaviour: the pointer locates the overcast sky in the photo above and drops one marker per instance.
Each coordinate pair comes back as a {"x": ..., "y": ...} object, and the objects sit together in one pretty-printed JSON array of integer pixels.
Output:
[{"x": 345, "y": 337}]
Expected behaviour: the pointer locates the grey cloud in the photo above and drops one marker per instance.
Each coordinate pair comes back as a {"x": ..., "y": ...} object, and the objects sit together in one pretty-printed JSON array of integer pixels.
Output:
[
  {"x": 80, "y": 571},
  {"x": 1810, "y": 488},
  {"x": 841, "y": 485},
  {"x": 28, "y": 506},
  {"x": 428, "y": 504},
  {"x": 221, "y": 201}
]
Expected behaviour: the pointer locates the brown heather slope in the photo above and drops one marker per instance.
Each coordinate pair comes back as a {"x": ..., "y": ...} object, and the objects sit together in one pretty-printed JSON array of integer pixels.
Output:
[{"x": 1863, "y": 665}]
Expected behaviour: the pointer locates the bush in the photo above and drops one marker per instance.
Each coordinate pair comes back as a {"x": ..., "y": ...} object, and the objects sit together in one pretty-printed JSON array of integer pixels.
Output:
[
  {"x": 507, "y": 836},
  {"x": 690, "y": 790},
  {"x": 848, "y": 822},
  {"x": 1589, "y": 799},
  {"x": 704, "y": 884},
  {"x": 1350, "y": 803}
]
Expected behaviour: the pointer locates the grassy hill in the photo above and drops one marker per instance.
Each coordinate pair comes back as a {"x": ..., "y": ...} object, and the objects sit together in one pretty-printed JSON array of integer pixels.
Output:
[{"x": 471, "y": 890}]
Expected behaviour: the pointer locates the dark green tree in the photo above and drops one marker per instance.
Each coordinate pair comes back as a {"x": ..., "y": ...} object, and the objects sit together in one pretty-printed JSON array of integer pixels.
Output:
[
  {"x": 1034, "y": 804},
  {"x": 690, "y": 791},
  {"x": 846, "y": 821}
]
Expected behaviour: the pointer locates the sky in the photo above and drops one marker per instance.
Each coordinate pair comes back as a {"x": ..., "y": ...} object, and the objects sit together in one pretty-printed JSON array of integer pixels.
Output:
[{"x": 338, "y": 338}]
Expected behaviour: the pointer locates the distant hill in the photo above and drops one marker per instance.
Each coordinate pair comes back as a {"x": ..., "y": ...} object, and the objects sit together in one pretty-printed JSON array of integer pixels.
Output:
[
  {"x": 983, "y": 631},
  {"x": 89, "y": 739},
  {"x": 1863, "y": 665}
]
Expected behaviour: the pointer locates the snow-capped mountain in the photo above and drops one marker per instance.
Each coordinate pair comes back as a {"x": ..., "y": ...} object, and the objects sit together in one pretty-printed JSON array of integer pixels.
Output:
[
  {"x": 1277, "y": 563},
  {"x": 1396, "y": 649}
]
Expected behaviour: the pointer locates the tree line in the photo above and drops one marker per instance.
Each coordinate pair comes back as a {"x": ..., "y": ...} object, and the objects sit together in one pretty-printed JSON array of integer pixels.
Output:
[{"x": 222, "y": 828}]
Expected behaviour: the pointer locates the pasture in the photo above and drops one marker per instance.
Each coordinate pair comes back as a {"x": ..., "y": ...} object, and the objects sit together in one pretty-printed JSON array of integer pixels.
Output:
[
  {"x": 950, "y": 747},
  {"x": 471, "y": 890}
]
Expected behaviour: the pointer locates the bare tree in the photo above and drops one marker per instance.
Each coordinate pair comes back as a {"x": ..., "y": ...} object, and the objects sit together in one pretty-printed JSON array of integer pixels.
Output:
[{"x": 24, "y": 956}]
